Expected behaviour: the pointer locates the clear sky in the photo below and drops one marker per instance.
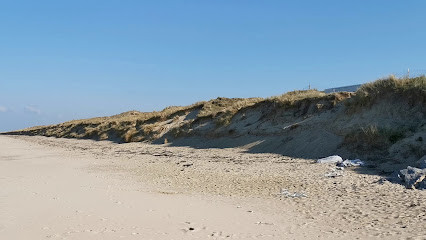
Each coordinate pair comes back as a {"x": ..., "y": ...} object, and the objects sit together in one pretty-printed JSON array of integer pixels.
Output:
[{"x": 63, "y": 60}]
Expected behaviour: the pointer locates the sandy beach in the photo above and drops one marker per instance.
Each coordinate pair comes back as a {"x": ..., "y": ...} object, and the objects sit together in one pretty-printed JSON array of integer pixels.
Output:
[
  {"x": 182, "y": 120},
  {"x": 82, "y": 189}
]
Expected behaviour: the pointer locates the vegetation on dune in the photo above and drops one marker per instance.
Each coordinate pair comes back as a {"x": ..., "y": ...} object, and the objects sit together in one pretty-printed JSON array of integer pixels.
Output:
[
  {"x": 405, "y": 98},
  {"x": 412, "y": 90},
  {"x": 139, "y": 126},
  {"x": 382, "y": 121},
  {"x": 223, "y": 109},
  {"x": 298, "y": 99},
  {"x": 225, "y": 105},
  {"x": 290, "y": 98},
  {"x": 373, "y": 138},
  {"x": 178, "y": 121}
]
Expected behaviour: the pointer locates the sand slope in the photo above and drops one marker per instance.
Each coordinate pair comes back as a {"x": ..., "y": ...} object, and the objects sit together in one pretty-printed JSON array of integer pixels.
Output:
[{"x": 82, "y": 189}]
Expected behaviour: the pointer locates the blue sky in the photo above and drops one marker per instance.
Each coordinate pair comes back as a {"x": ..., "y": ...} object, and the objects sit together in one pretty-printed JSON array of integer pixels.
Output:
[{"x": 63, "y": 60}]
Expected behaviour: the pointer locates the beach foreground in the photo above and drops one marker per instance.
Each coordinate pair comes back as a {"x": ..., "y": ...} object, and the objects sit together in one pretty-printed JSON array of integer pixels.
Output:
[{"x": 83, "y": 189}]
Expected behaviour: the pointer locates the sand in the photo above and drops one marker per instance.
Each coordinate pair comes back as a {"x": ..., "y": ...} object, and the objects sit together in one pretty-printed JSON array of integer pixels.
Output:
[{"x": 82, "y": 189}]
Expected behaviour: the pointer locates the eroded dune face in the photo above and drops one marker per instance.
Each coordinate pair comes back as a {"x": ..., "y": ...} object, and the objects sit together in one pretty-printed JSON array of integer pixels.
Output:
[{"x": 383, "y": 122}]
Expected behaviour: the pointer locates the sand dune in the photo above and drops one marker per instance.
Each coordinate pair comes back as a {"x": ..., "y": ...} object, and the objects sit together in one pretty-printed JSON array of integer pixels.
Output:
[
  {"x": 82, "y": 189},
  {"x": 382, "y": 123}
]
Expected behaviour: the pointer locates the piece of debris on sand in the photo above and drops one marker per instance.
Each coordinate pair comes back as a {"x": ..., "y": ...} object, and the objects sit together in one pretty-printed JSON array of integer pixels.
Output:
[
  {"x": 286, "y": 193},
  {"x": 351, "y": 163},
  {"x": 413, "y": 178},
  {"x": 335, "y": 159}
]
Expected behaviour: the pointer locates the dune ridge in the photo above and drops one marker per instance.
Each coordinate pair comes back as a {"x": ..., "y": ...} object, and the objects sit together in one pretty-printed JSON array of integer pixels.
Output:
[{"x": 383, "y": 122}]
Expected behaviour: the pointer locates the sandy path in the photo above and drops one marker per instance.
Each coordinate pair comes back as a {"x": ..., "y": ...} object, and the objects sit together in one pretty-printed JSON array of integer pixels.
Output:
[{"x": 82, "y": 189}]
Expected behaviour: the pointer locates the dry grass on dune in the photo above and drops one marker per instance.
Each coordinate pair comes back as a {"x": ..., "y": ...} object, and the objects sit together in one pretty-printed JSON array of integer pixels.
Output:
[
  {"x": 148, "y": 126},
  {"x": 223, "y": 109},
  {"x": 411, "y": 89},
  {"x": 207, "y": 109},
  {"x": 289, "y": 98},
  {"x": 223, "y": 105},
  {"x": 140, "y": 126}
]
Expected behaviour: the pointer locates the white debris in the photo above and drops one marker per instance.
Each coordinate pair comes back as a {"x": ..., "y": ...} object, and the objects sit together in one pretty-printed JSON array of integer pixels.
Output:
[
  {"x": 351, "y": 163},
  {"x": 286, "y": 193},
  {"x": 336, "y": 172},
  {"x": 331, "y": 159}
]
